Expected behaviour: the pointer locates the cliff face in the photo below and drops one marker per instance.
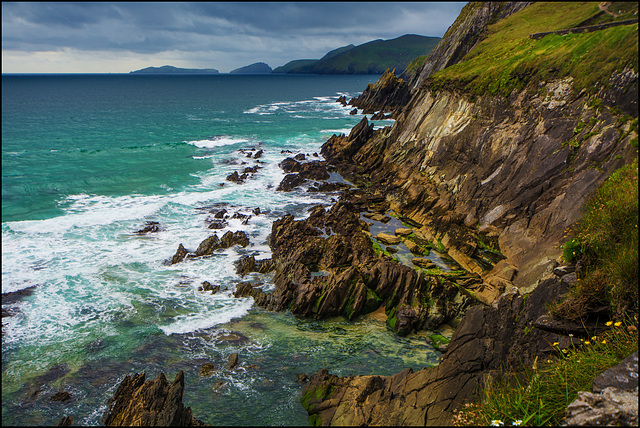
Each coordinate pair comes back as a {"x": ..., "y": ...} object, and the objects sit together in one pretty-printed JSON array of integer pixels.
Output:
[
  {"x": 475, "y": 169},
  {"x": 507, "y": 168}
]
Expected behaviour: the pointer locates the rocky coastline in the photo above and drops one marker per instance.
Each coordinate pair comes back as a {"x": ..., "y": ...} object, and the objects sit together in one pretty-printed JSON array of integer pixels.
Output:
[{"x": 490, "y": 182}]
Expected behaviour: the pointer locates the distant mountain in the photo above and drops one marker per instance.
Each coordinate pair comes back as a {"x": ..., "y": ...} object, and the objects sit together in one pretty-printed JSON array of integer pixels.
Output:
[
  {"x": 257, "y": 68},
  {"x": 295, "y": 64},
  {"x": 338, "y": 51},
  {"x": 168, "y": 69},
  {"x": 369, "y": 58}
]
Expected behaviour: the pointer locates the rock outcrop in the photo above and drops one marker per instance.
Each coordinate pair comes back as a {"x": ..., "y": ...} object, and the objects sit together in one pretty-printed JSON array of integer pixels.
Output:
[
  {"x": 463, "y": 169},
  {"x": 150, "y": 403},
  {"x": 325, "y": 266},
  {"x": 487, "y": 339},
  {"x": 210, "y": 244},
  {"x": 387, "y": 95}
]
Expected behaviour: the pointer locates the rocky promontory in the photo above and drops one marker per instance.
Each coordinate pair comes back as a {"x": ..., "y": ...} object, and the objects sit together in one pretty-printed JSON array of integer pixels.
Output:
[{"x": 150, "y": 403}]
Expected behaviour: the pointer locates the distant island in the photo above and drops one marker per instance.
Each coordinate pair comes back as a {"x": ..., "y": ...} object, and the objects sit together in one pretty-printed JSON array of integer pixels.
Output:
[
  {"x": 168, "y": 69},
  {"x": 257, "y": 68}
]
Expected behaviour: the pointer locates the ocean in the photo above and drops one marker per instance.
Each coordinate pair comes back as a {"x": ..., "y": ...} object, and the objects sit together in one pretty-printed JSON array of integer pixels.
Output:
[{"x": 88, "y": 160}]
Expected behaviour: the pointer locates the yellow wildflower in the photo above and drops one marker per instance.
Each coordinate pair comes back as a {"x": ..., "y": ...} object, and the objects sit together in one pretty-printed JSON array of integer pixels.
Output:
[
  {"x": 608, "y": 323},
  {"x": 587, "y": 343},
  {"x": 618, "y": 324},
  {"x": 604, "y": 341}
]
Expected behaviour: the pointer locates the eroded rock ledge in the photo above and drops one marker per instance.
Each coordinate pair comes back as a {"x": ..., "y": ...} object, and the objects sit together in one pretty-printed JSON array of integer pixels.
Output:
[{"x": 488, "y": 339}]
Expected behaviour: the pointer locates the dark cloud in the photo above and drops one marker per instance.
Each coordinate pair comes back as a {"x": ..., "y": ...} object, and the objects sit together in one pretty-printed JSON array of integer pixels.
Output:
[{"x": 275, "y": 31}]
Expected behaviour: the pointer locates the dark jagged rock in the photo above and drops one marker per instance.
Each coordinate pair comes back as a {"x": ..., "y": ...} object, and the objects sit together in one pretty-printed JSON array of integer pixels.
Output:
[
  {"x": 218, "y": 224},
  {"x": 179, "y": 256},
  {"x": 206, "y": 286},
  {"x": 234, "y": 177},
  {"x": 329, "y": 187},
  {"x": 150, "y": 227},
  {"x": 290, "y": 165},
  {"x": 355, "y": 280},
  {"x": 233, "y": 361},
  {"x": 251, "y": 169},
  {"x": 230, "y": 239},
  {"x": 346, "y": 147},
  {"x": 386, "y": 95},
  {"x": 248, "y": 264},
  {"x": 258, "y": 154},
  {"x": 212, "y": 243},
  {"x": 290, "y": 182},
  {"x": 342, "y": 100},
  {"x": 353, "y": 112},
  {"x": 151, "y": 403},
  {"x": 624, "y": 376},
  {"x": 300, "y": 157},
  {"x": 61, "y": 396},
  {"x": 208, "y": 246}
]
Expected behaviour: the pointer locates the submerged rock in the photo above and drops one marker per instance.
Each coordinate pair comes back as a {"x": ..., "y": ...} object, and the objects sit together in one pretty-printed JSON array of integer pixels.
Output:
[
  {"x": 61, "y": 396},
  {"x": 150, "y": 227},
  {"x": 233, "y": 361},
  {"x": 150, "y": 403}
]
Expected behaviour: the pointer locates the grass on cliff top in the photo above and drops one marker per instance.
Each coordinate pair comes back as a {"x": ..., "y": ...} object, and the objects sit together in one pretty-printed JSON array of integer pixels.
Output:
[
  {"x": 508, "y": 59},
  {"x": 541, "y": 396},
  {"x": 606, "y": 243}
]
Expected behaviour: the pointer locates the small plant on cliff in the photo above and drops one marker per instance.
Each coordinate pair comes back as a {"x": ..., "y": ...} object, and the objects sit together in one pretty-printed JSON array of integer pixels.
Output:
[
  {"x": 606, "y": 244},
  {"x": 540, "y": 394}
]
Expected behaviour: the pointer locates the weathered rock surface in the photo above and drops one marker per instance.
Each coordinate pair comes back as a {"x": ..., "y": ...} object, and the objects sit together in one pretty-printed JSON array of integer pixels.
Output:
[
  {"x": 624, "y": 376},
  {"x": 611, "y": 407},
  {"x": 150, "y": 227},
  {"x": 150, "y": 403}
]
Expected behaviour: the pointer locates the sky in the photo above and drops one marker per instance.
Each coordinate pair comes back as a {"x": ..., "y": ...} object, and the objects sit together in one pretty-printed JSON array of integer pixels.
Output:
[{"x": 116, "y": 37}]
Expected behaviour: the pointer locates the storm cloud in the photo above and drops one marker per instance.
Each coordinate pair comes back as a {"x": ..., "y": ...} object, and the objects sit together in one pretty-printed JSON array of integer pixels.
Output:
[{"x": 124, "y": 36}]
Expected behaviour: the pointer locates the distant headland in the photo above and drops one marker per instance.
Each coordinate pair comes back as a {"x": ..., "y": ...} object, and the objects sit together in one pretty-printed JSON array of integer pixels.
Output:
[{"x": 168, "y": 69}]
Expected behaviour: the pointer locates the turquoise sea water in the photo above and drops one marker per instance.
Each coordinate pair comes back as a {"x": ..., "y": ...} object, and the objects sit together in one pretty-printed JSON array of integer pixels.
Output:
[{"x": 86, "y": 161}]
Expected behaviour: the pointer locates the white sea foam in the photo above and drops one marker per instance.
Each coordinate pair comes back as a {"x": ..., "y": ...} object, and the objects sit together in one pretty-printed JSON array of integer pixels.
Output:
[
  {"x": 235, "y": 308},
  {"x": 217, "y": 141}
]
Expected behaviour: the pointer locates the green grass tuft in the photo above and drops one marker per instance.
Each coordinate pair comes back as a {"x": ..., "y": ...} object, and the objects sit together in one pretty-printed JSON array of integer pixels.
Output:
[
  {"x": 541, "y": 394},
  {"x": 606, "y": 243}
]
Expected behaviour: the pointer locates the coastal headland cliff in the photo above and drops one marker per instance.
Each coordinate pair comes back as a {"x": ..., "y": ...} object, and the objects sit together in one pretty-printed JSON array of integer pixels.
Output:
[{"x": 505, "y": 164}]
